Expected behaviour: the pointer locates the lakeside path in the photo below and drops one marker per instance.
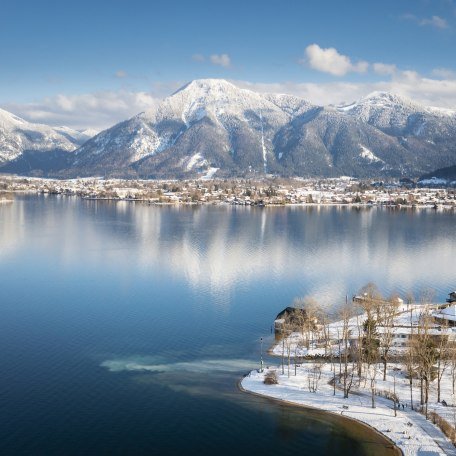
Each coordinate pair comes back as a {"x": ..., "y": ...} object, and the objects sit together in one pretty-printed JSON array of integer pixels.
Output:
[{"x": 409, "y": 430}]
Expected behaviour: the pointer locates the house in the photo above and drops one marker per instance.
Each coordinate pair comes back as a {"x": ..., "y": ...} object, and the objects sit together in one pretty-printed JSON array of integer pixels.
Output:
[
  {"x": 452, "y": 297},
  {"x": 446, "y": 316},
  {"x": 402, "y": 336},
  {"x": 294, "y": 316}
]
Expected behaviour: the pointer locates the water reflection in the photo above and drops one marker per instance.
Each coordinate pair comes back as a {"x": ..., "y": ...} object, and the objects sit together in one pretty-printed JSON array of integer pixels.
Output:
[{"x": 327, "y": 252}]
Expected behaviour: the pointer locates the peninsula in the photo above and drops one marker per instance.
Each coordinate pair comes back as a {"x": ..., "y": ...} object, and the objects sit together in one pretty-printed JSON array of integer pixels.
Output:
[{"x": 384, "y": 362}]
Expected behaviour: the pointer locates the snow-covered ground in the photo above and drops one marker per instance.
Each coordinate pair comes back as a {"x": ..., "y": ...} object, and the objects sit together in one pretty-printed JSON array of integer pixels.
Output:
[{"x": 409, "y": 430}]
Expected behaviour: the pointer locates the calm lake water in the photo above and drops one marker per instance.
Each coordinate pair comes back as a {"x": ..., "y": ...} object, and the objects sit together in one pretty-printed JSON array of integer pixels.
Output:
[{"x": 124, "y": 327}]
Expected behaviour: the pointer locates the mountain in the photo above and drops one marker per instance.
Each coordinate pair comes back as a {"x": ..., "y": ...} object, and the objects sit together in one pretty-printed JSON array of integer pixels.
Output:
[
  {"x": 212, "y": 127},
  {"x": 26, "y": 146},
  {"x": 429, "y": 134},
  {"x": 206, "y": 124}
]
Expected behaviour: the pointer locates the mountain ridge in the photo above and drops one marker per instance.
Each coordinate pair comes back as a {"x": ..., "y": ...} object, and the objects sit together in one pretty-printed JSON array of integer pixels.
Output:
[
  {"x": 211, "y": 124},
  {"x": 23, "y": 143}
]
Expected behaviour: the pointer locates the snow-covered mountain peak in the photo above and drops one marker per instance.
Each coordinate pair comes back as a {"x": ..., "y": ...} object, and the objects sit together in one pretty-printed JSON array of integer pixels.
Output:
[
  {"x": 206, "y": 86},
  {"x": 381, "y": 100},
  {"x": 384, "y": 110},
  {"x": 217, "y": 99},
  {"x": 17, "y": 135},
  {"x": 389, "y": 100},
  {"x": 9, "y": 119},
  {"x": 400, "y": 116},
  {"x": 379, "y": 96},
  {"x": 89, "y": 132}
]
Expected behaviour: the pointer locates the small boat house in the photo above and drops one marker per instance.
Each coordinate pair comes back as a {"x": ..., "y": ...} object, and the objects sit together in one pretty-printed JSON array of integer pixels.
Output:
[{"x": 293, "y": 316}]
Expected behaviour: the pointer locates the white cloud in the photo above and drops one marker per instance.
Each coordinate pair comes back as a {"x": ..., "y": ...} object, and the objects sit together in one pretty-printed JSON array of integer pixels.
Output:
[
  {"x": 91, "y": 110},
  {"x": 444, "y": 73},
  {"x": 427, "y": 91},
  {"x": 223, "y": 60},
  {"x": 198, "y": 58},
  {"x": 433, "y": 21},
  {"x": 328, "y": 60},
  {"x": 121, "y": 74},
  {"x": 384, "y": 68}
]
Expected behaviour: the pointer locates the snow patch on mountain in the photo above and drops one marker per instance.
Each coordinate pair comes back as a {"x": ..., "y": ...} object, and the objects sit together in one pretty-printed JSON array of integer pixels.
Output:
[
  {"x": 263, "y": 147},
  {"x": 196, "y": 160},
  {"x": 369, "y": 155},
  {"x": 210, "y": 173}
]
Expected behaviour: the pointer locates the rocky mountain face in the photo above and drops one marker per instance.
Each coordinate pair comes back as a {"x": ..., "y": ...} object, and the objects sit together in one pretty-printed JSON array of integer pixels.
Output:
[
  {"x": 26, "y": 146},
  {"x": 211, "y": 127}
]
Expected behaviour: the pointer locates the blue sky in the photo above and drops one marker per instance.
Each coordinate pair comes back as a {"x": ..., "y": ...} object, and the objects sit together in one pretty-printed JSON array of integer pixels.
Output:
[{"x": 56, "y": 55}]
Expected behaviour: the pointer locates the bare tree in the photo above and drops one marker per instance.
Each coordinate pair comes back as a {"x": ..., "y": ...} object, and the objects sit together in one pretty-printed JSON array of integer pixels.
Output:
[
  {"x": 370, "y": 300},
  {"x": 347, "y": 375},
  {"x": 313, "y": 377},
  {"x": 453, "y": 367},
  {"x": 324, "y": 321},
  {"x": 299, "y": 345},
  {"x": 388, "y": 311},
  {"x": 409, "y": 359},
  {"x": 300, "y": 319},
  {"x": 372, "y": 373},
  {"x": 443, "y": 357},
  {"x": 426, "y": 354},
  {"x": 339, "y": 346},
  {"x": 308, "y": 320},
  {"x": 359, "y": 348},
  {"x": 287, "y": 340},
  {"x": 333, "y": 366}
]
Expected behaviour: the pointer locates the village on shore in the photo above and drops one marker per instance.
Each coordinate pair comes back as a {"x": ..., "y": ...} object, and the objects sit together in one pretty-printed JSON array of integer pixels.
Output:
[
  {"x": 244, "y": 192},
  {"x": 387, "y": 362}
]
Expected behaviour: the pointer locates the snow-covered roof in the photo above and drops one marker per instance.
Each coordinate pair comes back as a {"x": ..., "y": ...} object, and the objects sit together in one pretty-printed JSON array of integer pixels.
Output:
[{"x": 449, "y": 313}]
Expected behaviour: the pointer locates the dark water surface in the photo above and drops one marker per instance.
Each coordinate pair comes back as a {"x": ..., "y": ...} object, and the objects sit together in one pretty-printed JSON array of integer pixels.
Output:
[{"x": 124, "y": 328}]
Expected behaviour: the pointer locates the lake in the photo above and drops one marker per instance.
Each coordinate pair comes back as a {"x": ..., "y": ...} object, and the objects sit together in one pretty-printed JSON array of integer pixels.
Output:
[{"x": 125, "y": 327}]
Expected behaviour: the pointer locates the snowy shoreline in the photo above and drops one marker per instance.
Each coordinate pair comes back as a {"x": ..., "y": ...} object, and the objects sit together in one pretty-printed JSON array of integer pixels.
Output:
[
  {"x": 409, "y": 431},
  {"x": 242, "y": 204},
  {"x": 319, "y": 409}
]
